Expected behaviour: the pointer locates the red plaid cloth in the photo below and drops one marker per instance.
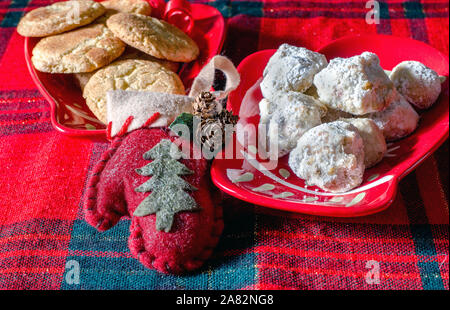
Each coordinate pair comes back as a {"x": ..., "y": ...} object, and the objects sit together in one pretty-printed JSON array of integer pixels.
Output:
[{"x": 43, "y": 174}]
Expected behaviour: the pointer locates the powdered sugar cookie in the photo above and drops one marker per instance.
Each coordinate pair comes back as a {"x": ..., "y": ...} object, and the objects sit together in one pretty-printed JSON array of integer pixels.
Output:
[
  {"x": 419, "y": 84},
  {"x": 373, "y": 139},
  {"x": 291, "y": 68},
  {"x": 288, "y": 117},
  {"x": 334, "y": 115},
  {"x": 330, "y": 156},
  {"x": 357, "y": 85},
  {"x": 398, "y": 120}
]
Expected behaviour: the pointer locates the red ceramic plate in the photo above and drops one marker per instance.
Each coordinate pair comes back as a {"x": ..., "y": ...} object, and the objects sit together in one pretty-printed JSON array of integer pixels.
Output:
[
  {"x": 69, "y": 112},
  {"x": 278, "y": 188}
]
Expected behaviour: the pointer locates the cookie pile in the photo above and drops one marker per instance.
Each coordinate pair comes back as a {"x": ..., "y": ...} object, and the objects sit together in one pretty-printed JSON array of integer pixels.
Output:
[
  {"x": 111, "y": 45},
  {"x": 333, "y": 119}
]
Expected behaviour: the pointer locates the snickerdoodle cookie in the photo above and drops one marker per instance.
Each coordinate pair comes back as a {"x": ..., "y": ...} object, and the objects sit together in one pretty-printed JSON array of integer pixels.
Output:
[
  {"x": 131, "y": 74},
  {"x": 82, "y": 50},
  {"x": 153, "y": 36},
  {"x": 59, "y": 17}
]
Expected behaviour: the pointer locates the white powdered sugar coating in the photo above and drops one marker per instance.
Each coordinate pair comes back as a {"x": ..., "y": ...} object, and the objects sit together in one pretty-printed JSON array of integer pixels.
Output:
[
  {"x": 373, "y": 139},
  {"x": 291, "y": 68},
  {"x": 419, "y": 84},
  {"x": 398, "y": 120},
  {"x": 330, "y": 156},
  {"x": 356, "y": 85},
  {"x": 287, "y": 118}
]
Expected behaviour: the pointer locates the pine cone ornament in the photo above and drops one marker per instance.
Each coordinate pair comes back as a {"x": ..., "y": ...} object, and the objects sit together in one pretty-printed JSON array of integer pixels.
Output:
[
  {"x": 209, "y": 134},
  {"x": 205, "y": 105},
  {"x": 227, "y": 118},
  {"x": 213, "y": 133}
]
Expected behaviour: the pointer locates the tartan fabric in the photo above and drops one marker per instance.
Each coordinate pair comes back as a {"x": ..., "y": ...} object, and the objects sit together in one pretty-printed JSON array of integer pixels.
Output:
[{"x": 44, "y": 173}]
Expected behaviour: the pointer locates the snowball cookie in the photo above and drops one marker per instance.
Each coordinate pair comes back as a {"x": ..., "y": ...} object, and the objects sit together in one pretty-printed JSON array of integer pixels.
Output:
[
  {"x": 357, "y": 85},
  {"x": 312, "y": 91},
  {"x": 398, "y": 120},
  {"x": 287, "y": 118},
  {"x": 373, "y": 140},
  {"x": 334, "y": 115},
  {"x": 419, "y": 84},
  {"x": 291, "y": 68},
  {"x": 330, "y": 156}
]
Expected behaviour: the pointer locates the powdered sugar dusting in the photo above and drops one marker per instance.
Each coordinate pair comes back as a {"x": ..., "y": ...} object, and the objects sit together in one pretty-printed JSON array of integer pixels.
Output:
[
  {"x": 419, "y": 84},
  {"x": 356, "y": 85},
  {"x": 291, "y": 68},
  {"x": 330, "y": 156}
]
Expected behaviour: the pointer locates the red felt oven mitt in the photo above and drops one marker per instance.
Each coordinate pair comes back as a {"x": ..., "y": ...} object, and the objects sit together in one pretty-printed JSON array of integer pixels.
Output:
[{"x": 175, "y": 224}]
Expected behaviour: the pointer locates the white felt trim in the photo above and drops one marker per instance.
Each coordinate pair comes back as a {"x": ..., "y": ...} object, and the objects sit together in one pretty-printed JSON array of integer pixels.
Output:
[
  {"x": 205, "y": 78},
  {"x": 121, "y": 104}
]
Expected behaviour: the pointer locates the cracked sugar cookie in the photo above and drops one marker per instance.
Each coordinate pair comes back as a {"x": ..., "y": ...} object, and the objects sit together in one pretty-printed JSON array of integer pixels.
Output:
[
  {"x": 356, "y": 85},
  {"x": 398, "y": 120},
  {"x": 131, "y": 74},
  {"x": 81, "y": 50},
  {"x": 130, "y": 53},
  {"x": 154, "y": 37},
  {"x": 59, "y": 17},
  {"x": 419, "y": 84},
  {"x": 291, "y": 68},
  {"x": 373, "y": 139},
  {"x": 330, "y": 156},
  {"x": 127, "y": 6},
  {"x": 288, "y": 117}
]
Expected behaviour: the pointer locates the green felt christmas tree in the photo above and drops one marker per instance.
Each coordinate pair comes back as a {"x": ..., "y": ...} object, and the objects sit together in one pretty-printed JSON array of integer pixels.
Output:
[{"x": 168, "y": 190}]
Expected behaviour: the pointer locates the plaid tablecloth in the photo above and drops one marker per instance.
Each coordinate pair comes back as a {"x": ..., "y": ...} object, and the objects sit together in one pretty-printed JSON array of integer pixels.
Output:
[{"x": 43, "y": 174}]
